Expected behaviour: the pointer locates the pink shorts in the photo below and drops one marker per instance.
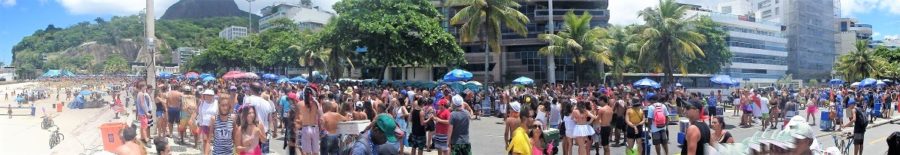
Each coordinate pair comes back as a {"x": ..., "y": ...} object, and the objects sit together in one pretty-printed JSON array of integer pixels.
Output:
[{"x": 144, "y": 122}]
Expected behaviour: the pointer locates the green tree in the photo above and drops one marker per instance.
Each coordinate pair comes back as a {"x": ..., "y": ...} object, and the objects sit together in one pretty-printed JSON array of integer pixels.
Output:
[
  {"x": 115, "y": 64},
  {"x": 621, "y": 43},
  {"x": 483, "y": 18},
  {"x": 668, "y": 40},
  {"x": 715, "y": 51},
  {"x": 395, "y": 33},
  {"x": 860, "y": 63},
  {"x": 578, "y": 39}
]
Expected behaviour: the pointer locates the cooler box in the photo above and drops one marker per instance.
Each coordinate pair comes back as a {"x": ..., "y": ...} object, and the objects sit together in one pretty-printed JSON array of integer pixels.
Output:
[
  {"x": 352, "y": 127},
  {"x": 825, "y": 120},
  {"x": 876, "y": 109},
  {"x": 683, "y": 125},
  {"x": 59, "y": 107},
  {"x": 720, "y": 111},
  {"x": 551, "y": 135},
  {"x": 111, "y": 135},
  {"x": 680, "y": 138}
]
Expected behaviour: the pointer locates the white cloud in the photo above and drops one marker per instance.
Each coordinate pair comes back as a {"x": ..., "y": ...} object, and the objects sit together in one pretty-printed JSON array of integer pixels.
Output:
[
  {"x": 626, "y": 12},
  {"x": 849, "y": 7},
  {"x": 891, "y": 37},
  {"x": 9, "y": 3}
]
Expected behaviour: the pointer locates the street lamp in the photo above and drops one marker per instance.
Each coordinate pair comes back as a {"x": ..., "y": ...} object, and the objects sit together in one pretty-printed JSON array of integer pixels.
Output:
[{"x": 250, "y": 16}]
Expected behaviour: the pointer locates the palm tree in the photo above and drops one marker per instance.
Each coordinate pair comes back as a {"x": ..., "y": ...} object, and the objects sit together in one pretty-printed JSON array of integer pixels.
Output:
[
  {"x": 578, "y": 39},
  {"x": 620, "y": 45},
  {"x": 668, "y": 39},
  {"x": 311, "y": 54},
  {"x": 860, "y": 63},
  {"x": 484, "y": 17}
]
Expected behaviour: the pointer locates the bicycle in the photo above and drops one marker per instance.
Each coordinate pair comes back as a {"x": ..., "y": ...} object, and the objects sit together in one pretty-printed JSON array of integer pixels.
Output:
[
  {"x": 56, "y": 137},
  {"x": 844, "y": 142}
]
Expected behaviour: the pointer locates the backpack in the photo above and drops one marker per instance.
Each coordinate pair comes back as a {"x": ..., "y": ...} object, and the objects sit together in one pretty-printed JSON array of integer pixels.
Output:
[{"x": 659, "y": 116}]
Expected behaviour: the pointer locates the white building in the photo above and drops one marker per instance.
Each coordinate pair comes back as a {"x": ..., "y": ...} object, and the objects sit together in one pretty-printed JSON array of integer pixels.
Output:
[
  {"x": 307, "y": 17},
  {"x": 850, "y": 31},
  {"x": 233, "y": 32},
  {"x": 759, "y": 53},
  {"x": 183, "y": 54}
]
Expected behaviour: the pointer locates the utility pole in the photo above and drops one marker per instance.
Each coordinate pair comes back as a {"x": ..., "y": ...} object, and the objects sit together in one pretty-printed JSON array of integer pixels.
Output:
[
  {"x": 149, "y": 32},
  {"x": 551, "y": 60}
]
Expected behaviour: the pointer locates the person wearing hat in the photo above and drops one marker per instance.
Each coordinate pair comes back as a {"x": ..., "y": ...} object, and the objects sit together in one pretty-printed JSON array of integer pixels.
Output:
[
  {"x": 459, "y": 128},
  {"x": 858, "y": 119},
  {"x": 634, "y": 118},
  {"x": 804, "y": 140},
  {"x": 512, "y": 120},
  {"x": 697, "y": 135},
  {"x": 520, "y": 143},
  {"x": 207, "y": 110},
  {"x": 442, "y": 128}
]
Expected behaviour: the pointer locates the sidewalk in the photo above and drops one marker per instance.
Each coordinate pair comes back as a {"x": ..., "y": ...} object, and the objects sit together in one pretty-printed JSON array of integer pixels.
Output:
[{"x": 876, "y": 123}]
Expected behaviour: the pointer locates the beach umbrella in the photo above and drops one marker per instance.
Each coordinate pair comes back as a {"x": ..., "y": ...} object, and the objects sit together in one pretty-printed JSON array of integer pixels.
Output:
[
  {"x": 646, "y": 83},
  {"x": 249, "y": 75},
  {"x": 855, "y": 84},
  {"x": 880, "y": 83},
  {"x": 474, "y": 86},
  {"x": 209, "y": 78},
  {"x": 204, "y": 75},
  {"x": 283, "y": 80},
  {"x": 735, "y": 83},
  {"x": 84, "y": 92},
  {"x": 523, "y": 81},
  {"x": 721, "y": 79},
  {"x": 867, "y": 82},
  {"x": 270, "y": 77},
  {"x": 835, "y": 82},
  {"x": 191, "y": 75},
  {"x": 457, "y": 75},
  {"x": 298, "y": 79},
  {"x": 164, "y": 75}
]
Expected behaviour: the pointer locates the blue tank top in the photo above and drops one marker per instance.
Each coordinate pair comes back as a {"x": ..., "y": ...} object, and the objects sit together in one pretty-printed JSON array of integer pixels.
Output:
[{"x": 223, "y": 144}]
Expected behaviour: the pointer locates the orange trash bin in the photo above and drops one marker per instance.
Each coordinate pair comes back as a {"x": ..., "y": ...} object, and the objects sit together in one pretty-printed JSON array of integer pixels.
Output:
[
  {"x": 111, "y": 135},
  {"x": 59, "y": 107}
]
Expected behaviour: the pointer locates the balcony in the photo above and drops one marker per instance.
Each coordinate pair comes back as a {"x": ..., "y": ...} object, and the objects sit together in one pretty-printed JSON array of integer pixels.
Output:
[
  {"x": 541, "y": 14},
  {"x": 863, "y": 25}
]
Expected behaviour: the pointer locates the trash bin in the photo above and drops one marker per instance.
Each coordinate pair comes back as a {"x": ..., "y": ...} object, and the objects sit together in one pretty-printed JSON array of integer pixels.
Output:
[
  {"x": 59, "y": 107},
  {"x": 111, "y": 135}
]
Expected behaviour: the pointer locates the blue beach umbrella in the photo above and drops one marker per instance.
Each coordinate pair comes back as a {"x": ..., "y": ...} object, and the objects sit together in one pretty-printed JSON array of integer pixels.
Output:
[
  {"x": 721, "y": 79},
  {"x": 298, "y": 79},
  {"x": 646, "y": 83},
  {"x": 457, "y": 75},
  {"x": 523, "y": 81},
  {"x": 868, "y": 82},
  {"x": 164, "y": 75},
  {"x": 283, "y": 80},
  {"x": 835, "y": 82},
  {"x": 270, "y": 77}
]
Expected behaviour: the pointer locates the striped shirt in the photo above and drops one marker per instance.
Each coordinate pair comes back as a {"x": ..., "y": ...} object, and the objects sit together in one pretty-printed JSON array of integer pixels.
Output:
[{"x": 223, "y": 144}]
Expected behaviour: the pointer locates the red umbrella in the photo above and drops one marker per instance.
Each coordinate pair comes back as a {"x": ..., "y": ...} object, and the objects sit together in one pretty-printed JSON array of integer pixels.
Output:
[
  {"x": 232, "y": 75},
  {"x": 249, "y": 75}
]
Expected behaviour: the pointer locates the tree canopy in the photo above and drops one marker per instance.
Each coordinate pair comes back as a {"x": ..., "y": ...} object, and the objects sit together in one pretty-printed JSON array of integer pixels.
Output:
[{"x": 394, "y": 32}]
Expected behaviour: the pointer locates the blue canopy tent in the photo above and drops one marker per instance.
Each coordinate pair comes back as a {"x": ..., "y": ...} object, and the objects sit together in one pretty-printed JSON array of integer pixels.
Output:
[
  {"x": 646, "y": 83},
  {"x": 208, "y": 79},
  {"x": 283, "y": 80},
  {"x": 523, "y": 81},
  {"x": 457, "y": 75},
  {"x": 204, "y": 75}
]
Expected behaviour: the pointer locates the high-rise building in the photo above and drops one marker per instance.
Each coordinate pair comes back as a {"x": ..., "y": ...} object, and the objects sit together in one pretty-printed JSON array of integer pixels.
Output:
[
  {"x": 306, "y": 17},
  {"x": 810, "y": 32},
  {"x": 520, "y": 53},
  {"x": 233, "y": 32},
  {"x": 183, "y": 54},
  {"x": 759, "y": 52},
  {"x": 848, "y": 32}
]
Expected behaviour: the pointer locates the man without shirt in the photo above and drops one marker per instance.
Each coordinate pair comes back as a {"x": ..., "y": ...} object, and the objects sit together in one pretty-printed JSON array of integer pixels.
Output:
[
  {"x": 173, "y": 108},
  {"x": 309, "y": 112},
  {"x": 606, "y": 116},
  {"x": 330, "y": 121},
  {"x": 131, "y": 146}
]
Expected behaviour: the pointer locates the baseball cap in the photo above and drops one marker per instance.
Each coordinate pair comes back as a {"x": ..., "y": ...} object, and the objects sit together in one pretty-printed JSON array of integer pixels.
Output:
[
  {"x": 209, "y": 92},
  {"x": 457, "y": 100},
  {"x": 515, "y": 106},
  {"x": 293, "y": 97},
  {"x": 387, "y": 126},
  {"x": 693, "y": 105}
]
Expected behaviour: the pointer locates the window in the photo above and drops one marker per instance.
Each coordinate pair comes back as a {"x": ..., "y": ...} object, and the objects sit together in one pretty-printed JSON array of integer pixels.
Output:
[
  {"x": 754, "y": 71},
  {"x": 776, "y": 10}
]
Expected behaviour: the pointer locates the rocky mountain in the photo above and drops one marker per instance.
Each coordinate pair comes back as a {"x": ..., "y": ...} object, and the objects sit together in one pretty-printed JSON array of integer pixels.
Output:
[{"x": 198, "y": 9}]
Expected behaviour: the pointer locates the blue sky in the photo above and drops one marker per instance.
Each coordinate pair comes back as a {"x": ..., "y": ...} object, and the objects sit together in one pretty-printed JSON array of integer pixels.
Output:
[{"x": 21, "y": 18}]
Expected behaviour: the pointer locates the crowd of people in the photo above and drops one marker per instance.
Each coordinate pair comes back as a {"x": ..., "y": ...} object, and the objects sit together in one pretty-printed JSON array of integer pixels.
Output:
[{"x": 243, "y": 117}]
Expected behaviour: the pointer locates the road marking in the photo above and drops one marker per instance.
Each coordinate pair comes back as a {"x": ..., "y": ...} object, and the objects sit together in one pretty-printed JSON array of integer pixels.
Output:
[{"x": 877, "y": 140}]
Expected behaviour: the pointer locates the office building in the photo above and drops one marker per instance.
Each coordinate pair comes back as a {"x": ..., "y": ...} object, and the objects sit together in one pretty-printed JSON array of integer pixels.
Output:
[
  {"x": 759, "y": 52},
  {"x": 233, "y": 32},
  {"x": 306, "y": 17},
  {"x": 810, "y": 32},
  {"x": 184, "y": 54},
  {"x": 520, "y": 53},
  {"x": 850, "y": 31}
]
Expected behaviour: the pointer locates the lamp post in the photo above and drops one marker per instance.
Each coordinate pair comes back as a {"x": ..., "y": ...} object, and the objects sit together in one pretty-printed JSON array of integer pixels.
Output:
[
  {"x": 551, "y": 60},
  {"x": 250, "y": 16},
  {"x": 149, "y": 28}
]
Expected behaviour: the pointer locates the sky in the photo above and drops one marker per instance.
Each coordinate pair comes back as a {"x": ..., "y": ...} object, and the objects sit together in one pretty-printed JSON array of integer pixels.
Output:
[{"x": 21, "y": 18}]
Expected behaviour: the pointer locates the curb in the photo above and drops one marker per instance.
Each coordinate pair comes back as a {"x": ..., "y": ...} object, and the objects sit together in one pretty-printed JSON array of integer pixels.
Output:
[{"x": 874, "y": 124}]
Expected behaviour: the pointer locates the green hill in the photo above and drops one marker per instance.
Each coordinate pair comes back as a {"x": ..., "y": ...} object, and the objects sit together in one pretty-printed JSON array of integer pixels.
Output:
[{"x": 54, "y": 47}]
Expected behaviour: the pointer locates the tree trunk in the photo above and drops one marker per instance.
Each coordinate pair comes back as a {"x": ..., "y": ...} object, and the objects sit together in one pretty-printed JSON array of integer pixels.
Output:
[{"x": 667, "y": 65}]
